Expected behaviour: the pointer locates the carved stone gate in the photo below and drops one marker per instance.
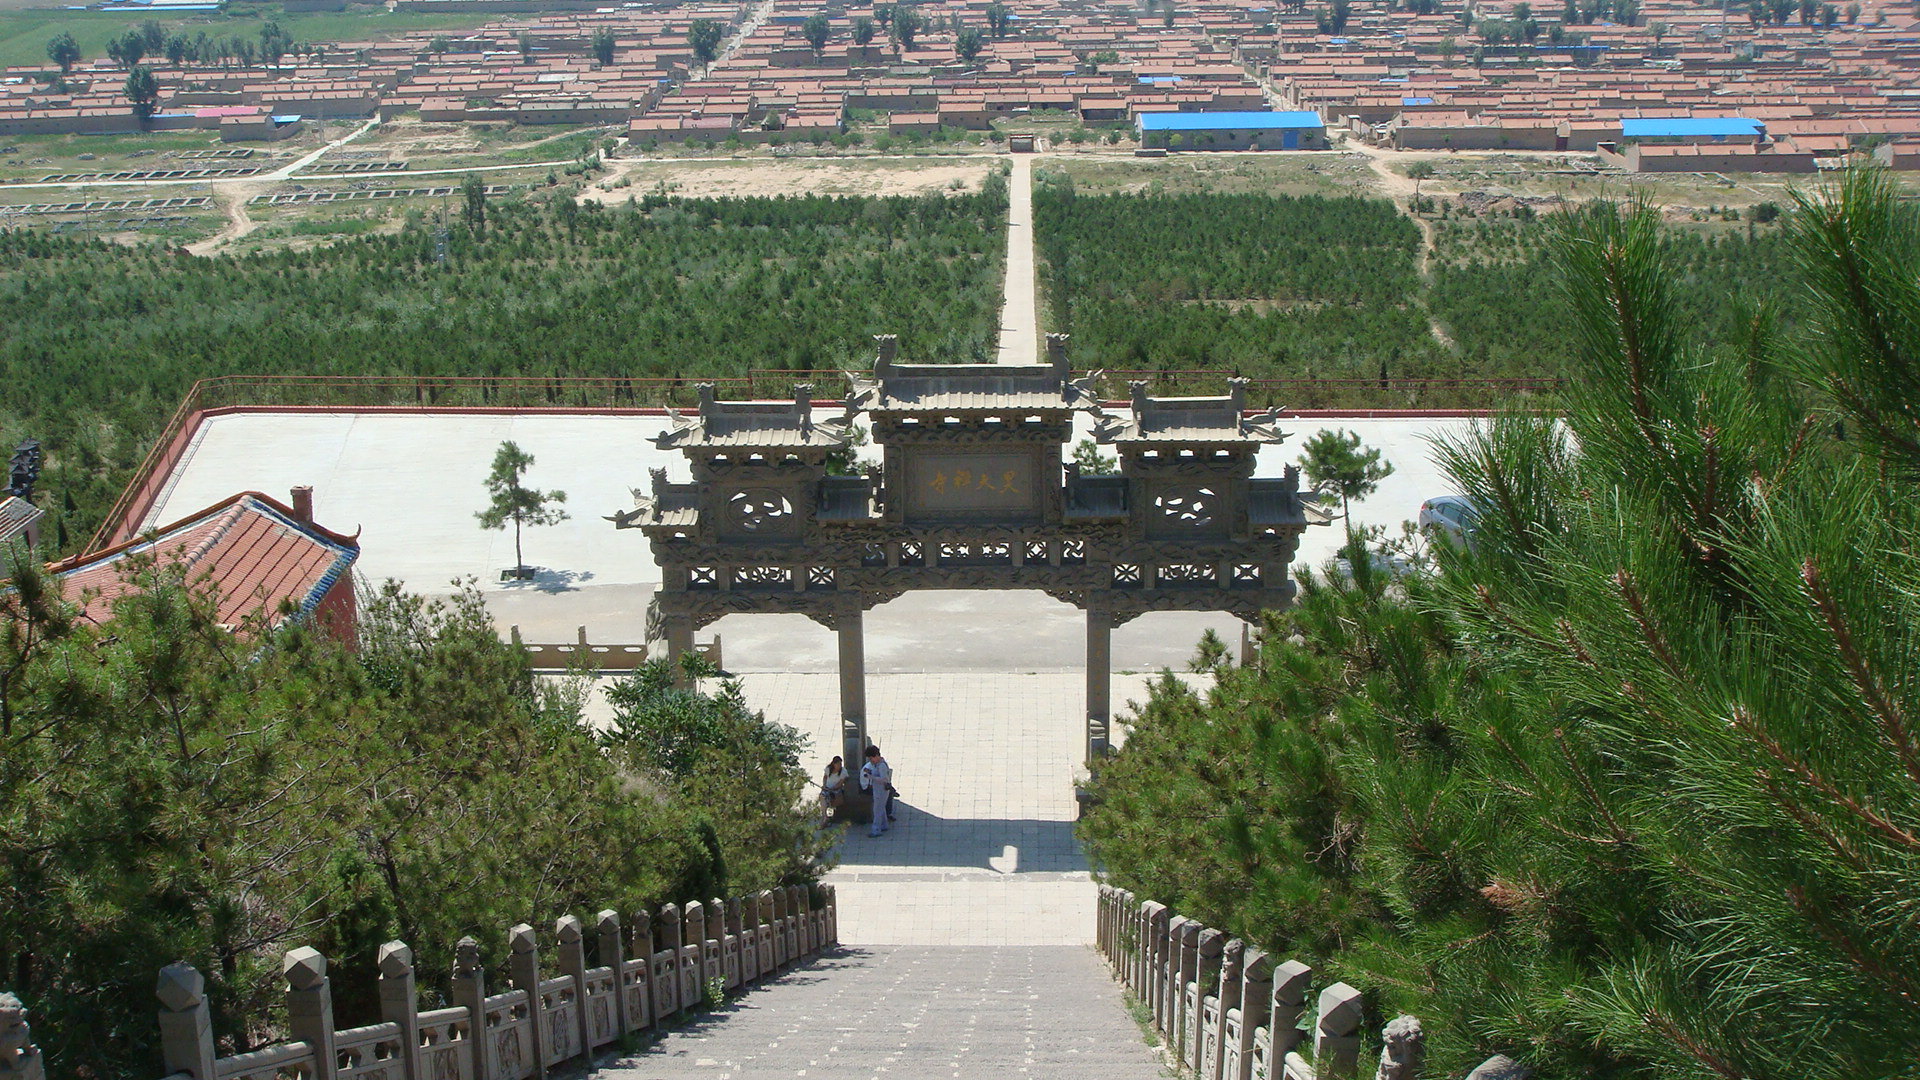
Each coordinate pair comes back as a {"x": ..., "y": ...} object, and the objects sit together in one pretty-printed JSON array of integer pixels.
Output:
[{"x": 972, "y": 494}]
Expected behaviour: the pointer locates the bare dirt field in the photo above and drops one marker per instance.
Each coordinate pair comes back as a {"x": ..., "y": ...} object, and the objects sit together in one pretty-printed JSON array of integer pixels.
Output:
[{"x": 772, "y": 176}]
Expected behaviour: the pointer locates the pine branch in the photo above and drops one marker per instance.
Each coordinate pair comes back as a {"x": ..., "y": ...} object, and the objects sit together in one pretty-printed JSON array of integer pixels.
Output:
[
  {"x": 1900, "y": 984},
  {"x": 1745, "y": 721},
  {"x": 1885, "y": 710},
  {"x": 1656, "y": 641}
]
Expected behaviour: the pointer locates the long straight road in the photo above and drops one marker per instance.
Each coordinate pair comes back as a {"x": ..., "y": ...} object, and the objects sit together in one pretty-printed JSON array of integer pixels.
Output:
[{"x": 1019, "y": 319}]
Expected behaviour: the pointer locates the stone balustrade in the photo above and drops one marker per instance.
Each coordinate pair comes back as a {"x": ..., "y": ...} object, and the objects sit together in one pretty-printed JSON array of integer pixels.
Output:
[
  {"x": 1227, "y": 1012},
  {"x": 647, "y": 969}
]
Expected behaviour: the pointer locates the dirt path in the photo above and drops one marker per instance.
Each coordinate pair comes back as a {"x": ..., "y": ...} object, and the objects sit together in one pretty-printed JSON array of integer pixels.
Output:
[
  {"x": 233, "y": 200},
  {"x": 1403, "y": 190}
]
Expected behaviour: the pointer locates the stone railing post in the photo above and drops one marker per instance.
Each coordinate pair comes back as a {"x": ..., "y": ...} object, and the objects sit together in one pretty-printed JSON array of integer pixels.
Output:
[
  {"x": 1336, "y": 1033},
  {"x": 1153, "y": 958},
  {"x": 693, "y": 954},
  {"x": 571, "y": 934},
  {"x": 400, "y": 1003},
  {"x": 833, "y": 914},
  {"x": 643, "y": 949},
  {"x": 1402, "y": 1045},
  {"x": 470, "y": 989},
  {"x": 763, "y": 908},
  {"x": 717, "y": 938},
  {"x": 1499, "y": 1067},
  {"x": 782, "y": 953},
  {"x": 612, "y": 955},
  {"x": 310, "y": 1007},
  {"x": 1256, "y": 995},
  {"x": 523, "y": 967},
  {"x": 736, "y": 943},
  {"x": 19, "y": 1058},
  {"x": 669, "y": 945},
  {"x": 1187, "y": 965},
  {"x": 1207, "y": 974},
  {"x": 1232, "y": 957},
  {"x": 1139, "y": 963},
  {"x": 1290, "y": 982},
  {"x": 186, "y": 1022}
]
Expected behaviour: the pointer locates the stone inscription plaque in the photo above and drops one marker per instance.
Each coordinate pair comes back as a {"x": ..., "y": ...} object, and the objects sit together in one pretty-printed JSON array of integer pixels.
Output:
[{"x": 972, "y": 487}]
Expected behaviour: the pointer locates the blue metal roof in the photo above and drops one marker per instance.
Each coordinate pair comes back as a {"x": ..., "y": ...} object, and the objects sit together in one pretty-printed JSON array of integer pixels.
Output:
[
  {"x": 1222, "y": 121},
  {"x": 1673, "y": 127},
  {"x": 1416, "y": 101}
]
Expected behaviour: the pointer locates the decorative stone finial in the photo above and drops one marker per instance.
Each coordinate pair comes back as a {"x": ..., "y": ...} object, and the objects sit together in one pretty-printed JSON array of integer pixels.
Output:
[
  {"x": 607, "y": 921},
  {"x": 180, "y": 987},
  {"x": 466, "y": 956},
  {"x": 568, "y": 929},
  {"x": 305, "y": 968},
  {"x": 1400, "y": 1049},
  {"x": 396, "y": 959},
  {"x": 1339, "y": 1010},
  {"x": 521, "y": 939}
]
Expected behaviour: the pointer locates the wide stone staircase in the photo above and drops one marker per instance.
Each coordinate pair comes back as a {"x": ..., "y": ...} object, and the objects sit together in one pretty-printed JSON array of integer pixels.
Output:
[{"x": 967, "y": 929}]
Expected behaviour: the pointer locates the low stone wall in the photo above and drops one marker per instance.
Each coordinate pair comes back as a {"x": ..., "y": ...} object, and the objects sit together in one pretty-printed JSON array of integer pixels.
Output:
[
  {"x": 1227, "y": 1012},
  {"x": 646, "y": 969}
]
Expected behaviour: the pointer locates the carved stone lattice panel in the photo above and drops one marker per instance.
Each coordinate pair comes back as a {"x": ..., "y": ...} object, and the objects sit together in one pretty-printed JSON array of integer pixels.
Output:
[
  {"x": 820, "y": 577},
  {"x": 873, "y": 555},
  {"x": 757, "y": 510},
  {"x": 1246, "y": 573},
  {"x": 990, "y": 554},
  {"x": 912, "y": 554},
  {"x": 1187, "y": 574},
  {"x": 1073, "y": 552},
  {"x": 749, "y": 577},
  {"x": 703, "y": 577},
  {"x": 1036, "y": 550},
  {"x": 1126, "y": 575},
  {"x": 1186, "y": 508}
]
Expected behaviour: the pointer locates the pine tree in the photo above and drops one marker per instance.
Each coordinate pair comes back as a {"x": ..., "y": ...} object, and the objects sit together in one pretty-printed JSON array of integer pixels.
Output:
[{"x": 512, "y": 501}]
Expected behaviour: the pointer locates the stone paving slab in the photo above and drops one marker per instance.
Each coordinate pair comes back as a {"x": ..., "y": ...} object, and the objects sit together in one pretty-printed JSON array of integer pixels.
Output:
[{"x": 877, "y": 1012}]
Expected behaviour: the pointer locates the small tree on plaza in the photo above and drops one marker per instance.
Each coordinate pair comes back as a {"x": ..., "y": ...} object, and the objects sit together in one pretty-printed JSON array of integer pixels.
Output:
[
  {"x": 514, "y": 502},
  {"x": 1336, "y": 459}
]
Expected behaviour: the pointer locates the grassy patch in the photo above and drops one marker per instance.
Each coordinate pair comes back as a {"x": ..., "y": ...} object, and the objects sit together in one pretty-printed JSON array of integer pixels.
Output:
[{"x": 24, "y": 32}]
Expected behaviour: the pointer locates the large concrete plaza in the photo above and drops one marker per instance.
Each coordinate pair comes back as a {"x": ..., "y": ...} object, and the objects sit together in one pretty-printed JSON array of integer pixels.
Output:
[
  {"x": 977, "y": 698},
  {"x": 412, "y": 484}
]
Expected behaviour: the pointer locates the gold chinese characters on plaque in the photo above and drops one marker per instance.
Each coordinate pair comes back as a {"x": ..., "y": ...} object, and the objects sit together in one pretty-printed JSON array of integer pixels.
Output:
[{"x": 972, "y": 486}]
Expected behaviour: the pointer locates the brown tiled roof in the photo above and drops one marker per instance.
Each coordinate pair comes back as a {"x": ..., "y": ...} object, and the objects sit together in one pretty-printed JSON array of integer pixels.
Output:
[{"x": 251, "y": 547}]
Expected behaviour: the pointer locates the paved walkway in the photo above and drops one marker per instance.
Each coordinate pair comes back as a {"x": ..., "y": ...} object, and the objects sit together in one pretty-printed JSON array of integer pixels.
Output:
[
  {"x": 876, "y": 1012},
  {"x": 1019, "y": 320}
]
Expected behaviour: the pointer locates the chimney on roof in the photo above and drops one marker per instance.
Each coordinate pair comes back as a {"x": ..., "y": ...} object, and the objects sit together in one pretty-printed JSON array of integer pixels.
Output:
[{"x": 303, "y": 503}]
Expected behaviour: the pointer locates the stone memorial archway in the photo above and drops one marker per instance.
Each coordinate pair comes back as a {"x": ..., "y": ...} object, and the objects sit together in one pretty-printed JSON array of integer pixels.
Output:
[{"x": 971, "y": 494}]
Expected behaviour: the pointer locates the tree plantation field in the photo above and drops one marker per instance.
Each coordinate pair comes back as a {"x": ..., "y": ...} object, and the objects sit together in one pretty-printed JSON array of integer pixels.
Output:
[
  {"x": 1318, "y": 286},
  {"x": 103, "y": 342},
  {"x": 1258, "y": 284},
  {"x": 1496, "y": 287}
]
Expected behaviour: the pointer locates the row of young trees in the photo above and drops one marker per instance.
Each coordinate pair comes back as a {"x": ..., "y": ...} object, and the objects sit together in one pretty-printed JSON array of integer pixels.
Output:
[
  {"x": 102, "y": 341},
  {"x": 172, "y": 789},
  {"x": 1628, "y": 785},
  {"x": 151, "y": 39}
]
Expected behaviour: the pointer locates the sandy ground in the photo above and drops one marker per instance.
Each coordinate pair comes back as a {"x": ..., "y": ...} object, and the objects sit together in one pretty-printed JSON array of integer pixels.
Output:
[{"x": 809, "y": 176}]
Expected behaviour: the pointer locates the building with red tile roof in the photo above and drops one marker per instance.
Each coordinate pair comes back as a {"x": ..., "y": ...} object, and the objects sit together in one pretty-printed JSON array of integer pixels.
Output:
[{"x": 263, "y": 556}]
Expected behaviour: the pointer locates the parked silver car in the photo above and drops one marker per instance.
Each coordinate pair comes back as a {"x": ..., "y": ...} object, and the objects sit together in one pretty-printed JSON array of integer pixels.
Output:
[{"x": 1450, "y": 517}]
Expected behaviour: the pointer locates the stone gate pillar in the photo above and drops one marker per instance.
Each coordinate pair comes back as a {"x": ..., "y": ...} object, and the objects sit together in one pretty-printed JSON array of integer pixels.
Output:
[
  {"x": 853, "y": 690},
  {"x": 679, "y": 630},
  {"x": 1099, "y": 681}
]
